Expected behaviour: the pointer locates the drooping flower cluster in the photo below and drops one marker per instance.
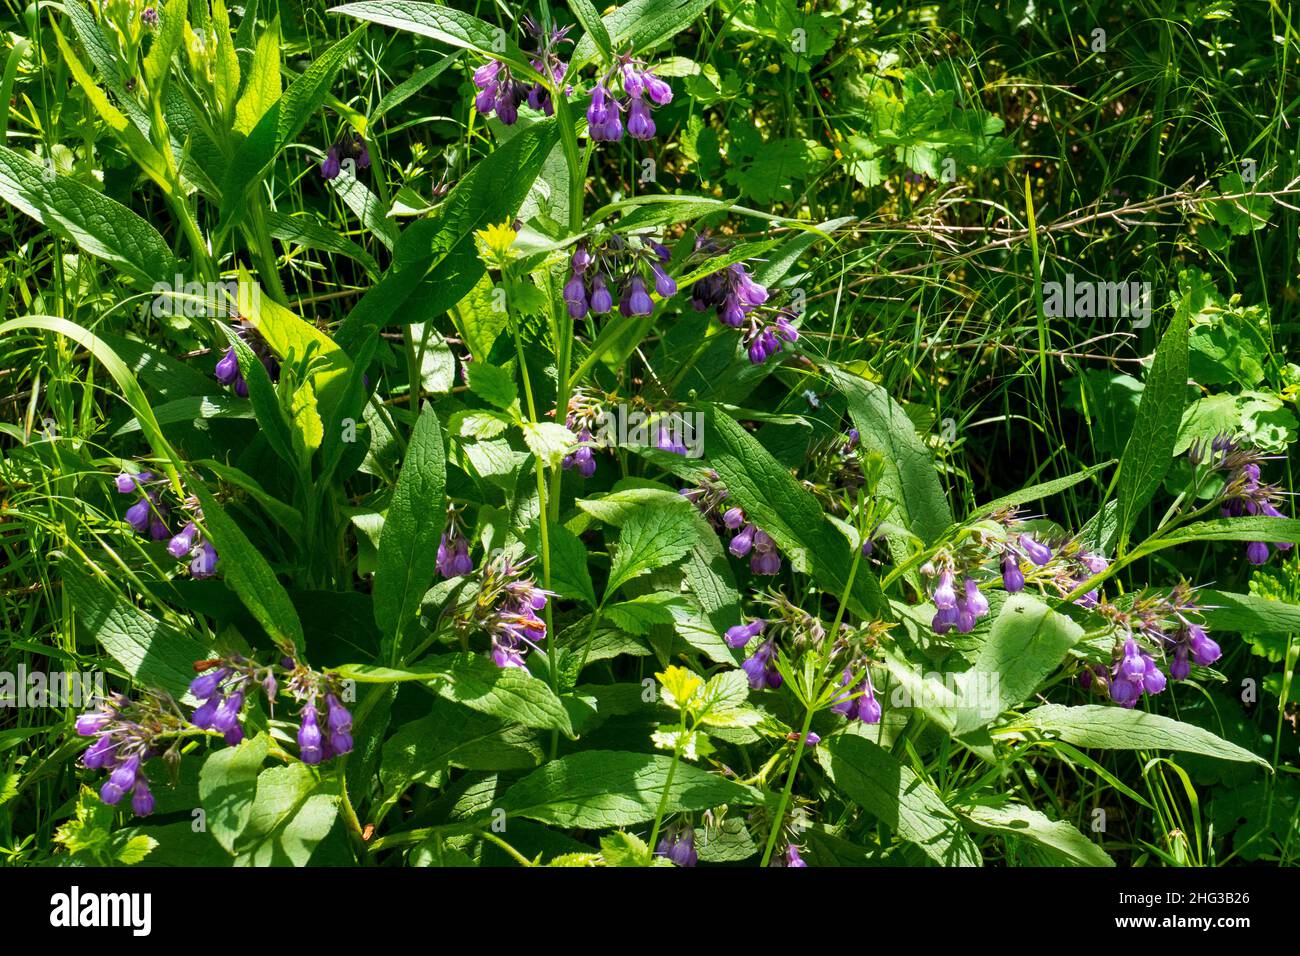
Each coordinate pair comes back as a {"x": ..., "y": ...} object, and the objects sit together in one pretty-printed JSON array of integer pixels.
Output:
[
  {"x": 151, "y": 513},
  {"x": 585, "y": 414},
  {"x": 859, "y": 701},
  {"x": 501, "y": 92},
  {"x": 796, "y": 628},
  {"x": 1022, "y": 557},
  {"x": 641, "y": 91},
  {"x": 958, "y": 606},
  {"x": 224, "y": 687},
  {"x": 350, "y": 150},
  {"x": 1243, "y": 492},
  {"x": 678, "y": 845},
  {"x": 748, "y": 539},
  {"x": 312, "y": 690},
  {"x": 625, "y": 266},
  {"x": 740, "y": 304},
  {"x": 1155, "y": 628},
  {"x": 505, "y": 607},
  {"x": 453, "y": 549},
  {"x": 227, "y": 369},
  {"x": 127, "y": 734}
]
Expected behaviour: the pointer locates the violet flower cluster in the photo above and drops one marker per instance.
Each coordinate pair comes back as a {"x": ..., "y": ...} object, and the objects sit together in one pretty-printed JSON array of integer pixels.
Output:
[
  {"x": 226, "y": 683},
  {"x": 622, "y": 267},
  {"x": 500, "y": 92},
  {"x": 955, "y": 574},
  {"x": 127, "y": 734},
  {"x": 1153, "y": 630},
  {"x": 505, "y": 607},
  {"x": 678, "y": 845},
  {"x": 859, "y": 701},
  {"x": 641, "y": 92},
  {"x": 150, "y": 516},
  {"x": 584, "y": 415},
  {"x": 453, "y": 549},
  {"x": 350, "y": 147},
  {"x": 1243, "y": 492},
  {"x": 739, "y": 303},
  {"x": 748, "y": 539},
  {"x": 227, "y": 369}
]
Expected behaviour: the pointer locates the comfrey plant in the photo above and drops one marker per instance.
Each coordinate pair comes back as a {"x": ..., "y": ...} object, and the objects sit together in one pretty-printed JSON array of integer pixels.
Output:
[
  {"x": 127, "y": 733},
  {"x": 153, "y": 514},
  {"x": 504, "y": 608},
  {"x": 747, "y": 540},
  {"x": 620, "y": 269},
  {"x": 740, "y": 303}
]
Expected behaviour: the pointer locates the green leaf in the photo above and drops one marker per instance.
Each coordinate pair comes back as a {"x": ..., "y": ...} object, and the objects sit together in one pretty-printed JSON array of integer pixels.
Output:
[
  {"x": 454, "y": 736},
  {"x": 98, "y": 225},
  {"x": 1061, "y": 840},
  {"x": 1247, "y": 613},
  {"x": 640, "y": 25},
  {"x": 154, "y": 653},
  {"x": 569, "y": 574},
  {"x": 1026, "y": 643},
  {"x": 1150, "y": 448},
  {"x": 249, "y": 575},
  {"x": 590, "y": 19},
  {"x": 1116, "y": 728},
  {"x": 408, "y": 546},
  {"x": 228, "y": 786},
  {"x": 262, "y": 88},
  {"x": 292, "y": 812},
  {"x": 493, "y": 384},
  {"x": 599, "y": 789},
  {"x": 280, "y": 124},
  {"x": 873, "y": 779},
  {"x": 774, "y": 500},
  {"x": 510, "y": 693},
  {"x": 439, "y": 255},
  {"x": 909, "y": 482},
  {"x": 649, "y": 539},
  {"x": 443, "y": 24},
  {"x": 1038, "y": 492}
]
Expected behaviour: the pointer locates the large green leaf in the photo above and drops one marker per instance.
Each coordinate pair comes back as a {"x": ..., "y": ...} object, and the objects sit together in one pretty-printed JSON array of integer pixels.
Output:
[
  {"x": 1150, "y": 448},
  {"x": 438, "y": 255},
  {"x": 1025, "y": 644},
  {"x": 871, "y": 777},
  {"x": 293, "y": 810},
  {"x": 598, "y": 789},
  {"x": 98, "y": 225},
  {"x": 408, "y": 545},
  {"x": 650, "y": 538},
  {"x": 909, "y": 481},
  {"x": 153, "y": 652},
  {"x": 227, "y": 787},
  {"x": 1059, "y": 839},
  {"x": 454, "y": 736},
  {"x": 281, "y": 123},
  {"x": 1117, "y": 728},
  {"x": 441, "y": 23}
]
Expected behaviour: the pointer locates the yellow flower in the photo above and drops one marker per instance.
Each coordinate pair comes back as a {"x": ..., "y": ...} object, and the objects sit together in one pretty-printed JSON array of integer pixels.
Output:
[{"x": 495, "y": 242}]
